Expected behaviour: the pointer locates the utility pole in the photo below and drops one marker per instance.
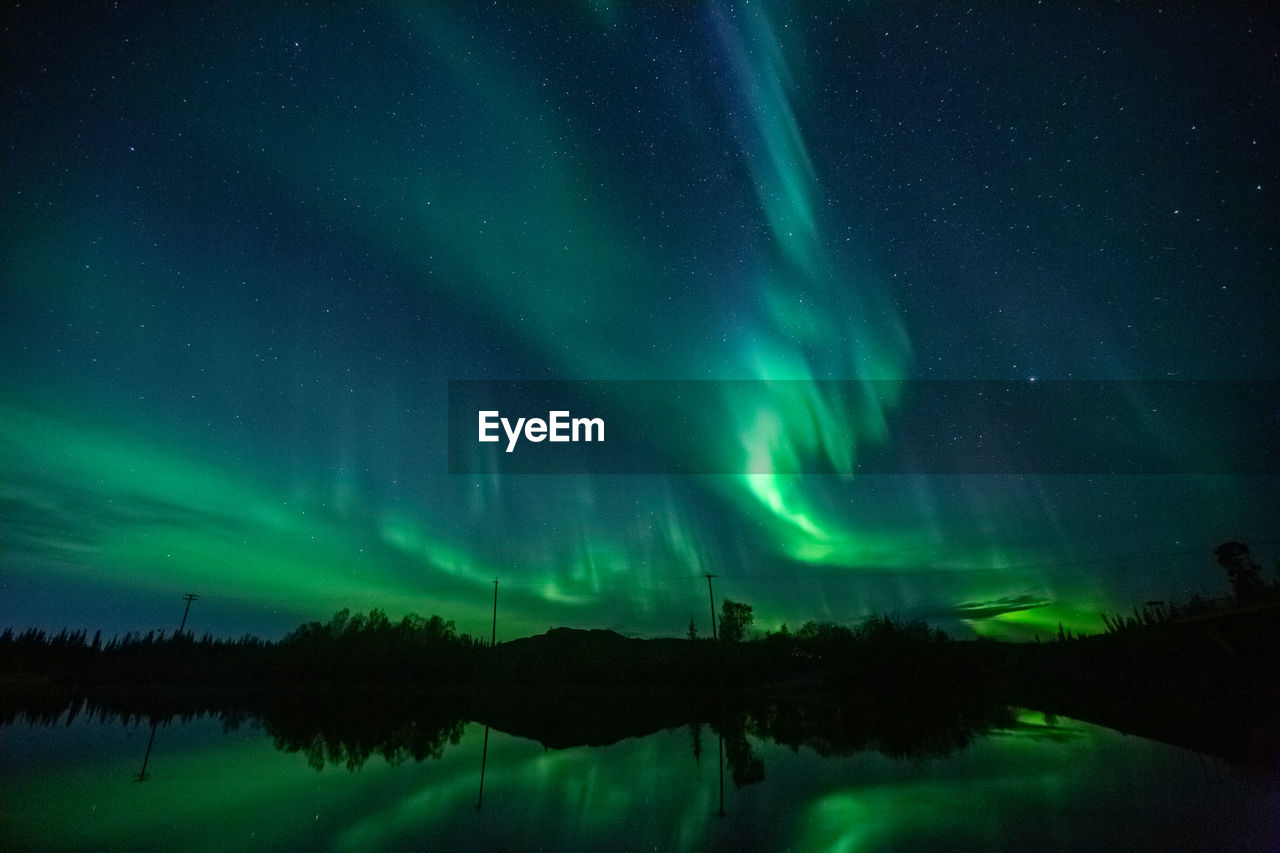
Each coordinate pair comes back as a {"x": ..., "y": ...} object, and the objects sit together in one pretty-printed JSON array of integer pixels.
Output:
[
  {"x": 493, "y": 638},
  {"x": 713, "y": 605},
  {"x": 190, "y": 597}
]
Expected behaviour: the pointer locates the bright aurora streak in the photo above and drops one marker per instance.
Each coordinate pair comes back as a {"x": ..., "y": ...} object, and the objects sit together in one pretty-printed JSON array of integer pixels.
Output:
[{"x": 245, "y": 249}]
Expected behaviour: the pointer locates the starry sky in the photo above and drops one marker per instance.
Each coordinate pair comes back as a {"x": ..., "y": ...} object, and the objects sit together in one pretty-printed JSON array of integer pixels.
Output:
[{"x": 246, "y": 246}]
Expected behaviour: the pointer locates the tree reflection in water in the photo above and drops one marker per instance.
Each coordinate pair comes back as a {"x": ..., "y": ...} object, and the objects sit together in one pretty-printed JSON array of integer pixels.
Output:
[{"x": 347, "y": 728}]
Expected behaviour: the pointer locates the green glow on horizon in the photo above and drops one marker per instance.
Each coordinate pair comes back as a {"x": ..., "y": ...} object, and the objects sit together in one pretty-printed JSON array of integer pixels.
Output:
[
  {"x": 1081, "y": 616},
  {"x": 164, "y": 521},
  {"x": 113, "y": 505}
]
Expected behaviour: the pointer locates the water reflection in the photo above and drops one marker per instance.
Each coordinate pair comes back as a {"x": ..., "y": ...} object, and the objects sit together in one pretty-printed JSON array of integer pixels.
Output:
[
  {"x": 427, "y": 771},
  {"x": 146, "y": 757},
  {"x": 343, "y": 732},
  {"x": 484, "y": 757},
  {"x": 347, "y": 728}
]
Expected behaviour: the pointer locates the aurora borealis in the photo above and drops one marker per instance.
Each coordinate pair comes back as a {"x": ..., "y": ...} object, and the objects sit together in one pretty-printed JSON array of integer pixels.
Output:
[{"x": 246, "y": 246}]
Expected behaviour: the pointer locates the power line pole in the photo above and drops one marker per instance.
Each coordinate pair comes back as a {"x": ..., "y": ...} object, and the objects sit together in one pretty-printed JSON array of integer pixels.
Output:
[
  {"x": 190, "y": 597},
  {"x": 493, "y": 638},
  {"x": 713, "y": 605}
]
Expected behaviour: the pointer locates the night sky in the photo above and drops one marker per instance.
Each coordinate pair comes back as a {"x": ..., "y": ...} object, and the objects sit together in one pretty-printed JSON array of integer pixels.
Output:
[{"x": 245, "y": 247}]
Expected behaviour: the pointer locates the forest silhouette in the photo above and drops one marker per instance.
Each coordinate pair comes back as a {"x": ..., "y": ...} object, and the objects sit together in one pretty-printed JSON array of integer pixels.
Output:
[{"x": 1202, "y": 675}]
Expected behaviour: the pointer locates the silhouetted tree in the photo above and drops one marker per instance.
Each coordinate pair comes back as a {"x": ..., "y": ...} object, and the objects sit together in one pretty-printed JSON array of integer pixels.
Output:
[
  {"x": 735, "y": 621},
  {"x": 824, "y": 635},
  {"x": 1245, "y": 575},
  {"x": 745, "y": 764},
  {"x": 693, "y": 630}
]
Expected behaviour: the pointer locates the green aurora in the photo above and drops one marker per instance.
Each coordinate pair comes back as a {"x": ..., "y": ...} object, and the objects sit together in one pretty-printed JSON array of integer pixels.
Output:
[{"x": 246, "y": 248}]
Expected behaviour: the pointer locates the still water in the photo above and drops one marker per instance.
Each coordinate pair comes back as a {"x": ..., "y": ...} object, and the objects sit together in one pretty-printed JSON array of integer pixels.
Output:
[{"x": 1031, "y": 785}]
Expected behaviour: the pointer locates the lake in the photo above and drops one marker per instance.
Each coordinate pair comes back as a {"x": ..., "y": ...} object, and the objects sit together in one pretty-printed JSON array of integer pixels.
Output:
[{"x": 1029, "y": 784}]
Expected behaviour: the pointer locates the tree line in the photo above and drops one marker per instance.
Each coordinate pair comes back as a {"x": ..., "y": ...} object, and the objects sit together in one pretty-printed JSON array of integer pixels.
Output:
[{"x": 349, "y": 647}]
